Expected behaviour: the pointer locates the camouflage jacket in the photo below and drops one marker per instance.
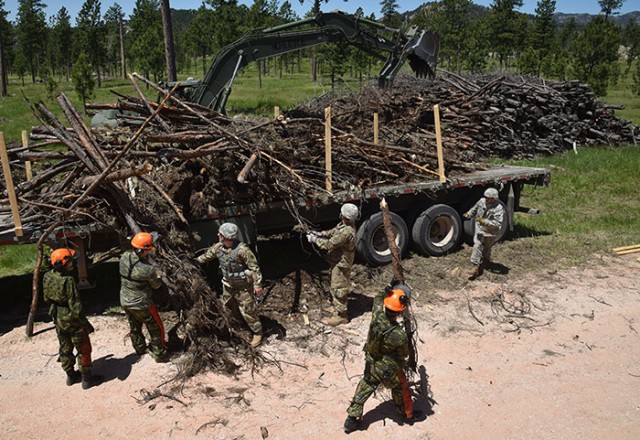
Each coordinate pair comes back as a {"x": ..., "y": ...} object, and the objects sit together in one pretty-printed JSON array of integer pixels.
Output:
[
  {"x": 340, "y": 244},
  {"x": 138, "y": 278},
  {"x": 234, "y": 264},
  {"x": 61, "y": 292},
  {"x": 387, "y": 344},
  {"x": 493, "y": 214}
]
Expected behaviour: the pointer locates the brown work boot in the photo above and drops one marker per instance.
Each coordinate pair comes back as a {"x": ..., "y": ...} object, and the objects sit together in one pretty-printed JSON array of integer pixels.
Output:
[
  {"x": 474, "y": 272},
  {"x": 337, "y": 320},
  {"x": 257, "y": 340}
]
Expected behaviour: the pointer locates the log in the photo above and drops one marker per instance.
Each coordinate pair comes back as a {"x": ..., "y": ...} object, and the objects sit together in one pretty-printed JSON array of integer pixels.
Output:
[{"x": 118, "y": 175}]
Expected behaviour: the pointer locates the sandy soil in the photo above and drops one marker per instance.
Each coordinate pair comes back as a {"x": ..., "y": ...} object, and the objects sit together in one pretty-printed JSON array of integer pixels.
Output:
[{"x": 546, "y": 356}]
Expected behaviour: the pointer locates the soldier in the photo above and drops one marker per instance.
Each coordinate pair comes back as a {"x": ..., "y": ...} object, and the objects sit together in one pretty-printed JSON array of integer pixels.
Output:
[
  {"x": 138, "y": 278},
  {"x": 340, "y": 244},
  {"x": 241, "y": 277},
  {"x": 386, "y": 352},
  {"x": 72, "y": 326},
  {"x": 488, "y": 215}
]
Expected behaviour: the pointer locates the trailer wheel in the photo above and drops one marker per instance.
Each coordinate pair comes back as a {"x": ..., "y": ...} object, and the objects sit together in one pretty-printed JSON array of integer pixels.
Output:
[
  {"x": 437, "y": 231},
  {"x": 371, "y": 240},
  {"x": 469, "y": 227}
]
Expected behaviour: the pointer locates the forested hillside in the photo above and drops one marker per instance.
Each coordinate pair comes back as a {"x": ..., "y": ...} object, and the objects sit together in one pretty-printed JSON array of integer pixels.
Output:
[{"x": 104, "y": 44}]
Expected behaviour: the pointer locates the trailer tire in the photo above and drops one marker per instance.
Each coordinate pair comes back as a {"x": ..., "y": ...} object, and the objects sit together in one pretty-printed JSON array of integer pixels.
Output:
[
  {"x": 470, "y": 227},
  {"x": 437, "y": 231},
  {"x": 371, "y": 241}
]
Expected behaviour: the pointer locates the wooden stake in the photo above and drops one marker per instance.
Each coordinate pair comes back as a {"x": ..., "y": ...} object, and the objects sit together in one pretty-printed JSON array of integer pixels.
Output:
[
  {"x": 436, "y": 118},
  {"x": 11, "y": 191},
  {"x": 327, "y": 148},
  {"x": 625, "y": 248},
  {"x": 27, "y": 163},
  {"x": 276, "y": 111},
  {"x": 628, "y": 251},
  {"x": 375, "y": 128}
]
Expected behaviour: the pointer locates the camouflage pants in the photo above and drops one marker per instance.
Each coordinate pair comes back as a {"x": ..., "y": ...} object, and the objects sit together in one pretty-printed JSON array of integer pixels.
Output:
[
  {"x": 374, "y": 377},
  {"x": 79, "y": 340},
  {"x": 340, "y": 288},
  {"x": 150, "y": 319},
  {"x": 242, "y": 301},
  {"x": 481, "y": 252}
]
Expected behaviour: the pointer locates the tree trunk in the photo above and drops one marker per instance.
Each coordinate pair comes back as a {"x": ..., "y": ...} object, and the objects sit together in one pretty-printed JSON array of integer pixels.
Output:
[
  {"x": 169, "y": 51},
  {"x": 3, "y": 70},
  {"x": 123, "y": 60}
]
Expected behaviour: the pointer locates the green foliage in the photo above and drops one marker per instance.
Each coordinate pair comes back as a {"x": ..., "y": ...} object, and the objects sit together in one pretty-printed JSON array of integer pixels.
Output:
[
  {"x": 31, "y": 32},
  {"x": 596, "y": 53},
  {"x": 51, "y": 86},
  {"x": 390, "y": 15},
  {"x": 17, "y": 260},
  {"x": 112, "y": 21},
  {"x": 83, "y": 81},
  {"x": 506, "y": 29},
  {"x": 62, "y": 37},
  {"x": 145, "y": 39},
  {"x": 451, "y": 19},
  {"x": 542, "y": 36}
]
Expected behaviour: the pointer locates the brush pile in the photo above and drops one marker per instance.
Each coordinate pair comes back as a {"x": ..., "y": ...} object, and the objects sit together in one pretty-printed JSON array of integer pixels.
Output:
[{"x": 169, "y": 163}]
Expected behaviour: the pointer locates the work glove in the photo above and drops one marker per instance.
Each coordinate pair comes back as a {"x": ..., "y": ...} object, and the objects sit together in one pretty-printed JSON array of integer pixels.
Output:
[
  {"x": 481, "y": 220},
  {"x": 311, "y": 237},
  {"x": 88, "y": 327}
]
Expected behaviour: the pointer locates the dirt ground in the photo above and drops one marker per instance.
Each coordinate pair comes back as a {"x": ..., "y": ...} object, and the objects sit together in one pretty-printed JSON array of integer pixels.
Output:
[{"x": 550, "y": 355}]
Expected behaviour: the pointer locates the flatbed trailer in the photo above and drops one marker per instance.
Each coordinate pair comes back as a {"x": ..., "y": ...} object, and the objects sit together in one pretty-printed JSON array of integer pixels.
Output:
[{"x": 426, "y": 215}]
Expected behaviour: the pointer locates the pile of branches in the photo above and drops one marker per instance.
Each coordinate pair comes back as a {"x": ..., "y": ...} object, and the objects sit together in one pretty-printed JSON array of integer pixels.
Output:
[
  {"x": 485, "y": 116},
  {"x": 171, "y": 162}
]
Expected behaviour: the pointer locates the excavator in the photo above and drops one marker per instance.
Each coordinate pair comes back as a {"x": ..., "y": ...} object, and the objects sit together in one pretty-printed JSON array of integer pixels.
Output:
[
  {"x": 394, "y": 46},
  {"x": 418, "y": 46}
]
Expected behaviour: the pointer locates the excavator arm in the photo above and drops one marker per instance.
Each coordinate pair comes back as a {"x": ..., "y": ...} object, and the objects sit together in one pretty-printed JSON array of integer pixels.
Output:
[{"x": 418, "y": 46}]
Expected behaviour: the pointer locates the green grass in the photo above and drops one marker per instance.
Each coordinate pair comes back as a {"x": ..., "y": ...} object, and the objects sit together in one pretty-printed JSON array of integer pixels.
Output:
[
  {"x": 17, "y": 259},
  {"x": 591, "y": 206}
]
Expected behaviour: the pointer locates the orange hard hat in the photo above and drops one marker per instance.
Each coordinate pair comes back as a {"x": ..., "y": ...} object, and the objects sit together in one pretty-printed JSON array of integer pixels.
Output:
[
  {"x": 142, "y": 240},
  {"x": 396, "y": 300},
  {"x": 60, "y": 256}
]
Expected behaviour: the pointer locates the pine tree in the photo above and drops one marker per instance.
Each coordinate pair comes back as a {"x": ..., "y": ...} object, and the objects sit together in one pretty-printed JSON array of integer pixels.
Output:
[
  {"x": 32, "y": 32},
  {"x": 596, "y": 54},
  {"x": 506, "y": 28},
  {"x": 114, "y": 39},
  {"x": 88, "y": 40},
  {"x": 82, "y": 77},
  {"x": 62, "y": 37},
  {"x": 390, "y": 15},
  {"x": 608, "y": 7},
  {"x": 146, "y": 40}
]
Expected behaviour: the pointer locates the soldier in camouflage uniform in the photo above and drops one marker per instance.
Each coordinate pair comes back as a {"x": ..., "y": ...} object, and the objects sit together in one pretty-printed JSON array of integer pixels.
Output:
[
  {"x": 340, "y": 244},
  {"x": 386, "y": 352},
  {"x": 488, "y": 215},
  {"x": 72, "y": 326},
  {"x": 138, "y": 278},
  {"x": 241, "y": 277}
]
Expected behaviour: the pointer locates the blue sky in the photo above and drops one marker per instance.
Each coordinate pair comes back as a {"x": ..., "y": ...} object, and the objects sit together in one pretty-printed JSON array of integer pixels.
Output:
[{"x": 369, "y": 6}]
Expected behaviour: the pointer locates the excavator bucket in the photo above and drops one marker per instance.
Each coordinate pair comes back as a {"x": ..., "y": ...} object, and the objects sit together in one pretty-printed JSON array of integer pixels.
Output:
[{"x": 422, "y": 53}]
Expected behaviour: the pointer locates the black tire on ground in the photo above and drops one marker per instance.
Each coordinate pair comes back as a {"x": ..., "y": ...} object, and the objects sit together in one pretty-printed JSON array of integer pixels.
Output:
[
  {"x": 470, "y": 227},
  {"x": 437, "y": 231},
  {"x": 371, "y": 240}
]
